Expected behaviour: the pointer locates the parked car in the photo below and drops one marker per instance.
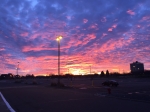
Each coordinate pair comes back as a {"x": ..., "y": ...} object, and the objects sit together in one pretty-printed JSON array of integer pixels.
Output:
[{"x": 110, "y": 83}]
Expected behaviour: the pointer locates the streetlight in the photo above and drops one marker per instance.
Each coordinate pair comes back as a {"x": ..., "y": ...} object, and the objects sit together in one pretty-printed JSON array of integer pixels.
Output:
[
  {"x": 58, "y": 40},
  {"x": 17, "y": 68}
]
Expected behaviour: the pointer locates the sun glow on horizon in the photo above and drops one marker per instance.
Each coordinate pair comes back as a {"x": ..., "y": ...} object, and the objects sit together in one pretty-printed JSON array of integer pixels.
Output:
[{"x": 75, "y": 72}]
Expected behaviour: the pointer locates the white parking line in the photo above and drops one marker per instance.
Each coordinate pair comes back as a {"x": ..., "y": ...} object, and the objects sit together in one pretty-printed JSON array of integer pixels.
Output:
[{"x": 7, "y": 104}]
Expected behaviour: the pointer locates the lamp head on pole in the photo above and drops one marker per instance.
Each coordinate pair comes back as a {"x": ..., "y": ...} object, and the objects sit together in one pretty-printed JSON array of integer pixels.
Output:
[{"x": 59, "y": 38}]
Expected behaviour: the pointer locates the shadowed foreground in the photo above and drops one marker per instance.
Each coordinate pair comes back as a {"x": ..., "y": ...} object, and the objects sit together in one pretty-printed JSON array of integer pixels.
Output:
[{"x": 78, "y": 98}]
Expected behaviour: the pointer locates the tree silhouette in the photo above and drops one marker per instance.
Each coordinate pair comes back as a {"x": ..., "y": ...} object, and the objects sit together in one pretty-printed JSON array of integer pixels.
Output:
[
  {"x": 107, "y": 73},
  {"x": 102, "y": 73}
]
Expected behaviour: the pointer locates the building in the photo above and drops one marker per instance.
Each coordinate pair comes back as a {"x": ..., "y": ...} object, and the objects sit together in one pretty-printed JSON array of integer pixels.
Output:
[
  {"x": 137, "y": 67},
  {"x": 6, "y": 76}
]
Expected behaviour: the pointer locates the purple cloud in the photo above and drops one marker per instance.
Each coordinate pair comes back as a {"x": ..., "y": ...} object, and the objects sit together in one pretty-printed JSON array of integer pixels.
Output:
[{"x": 103, "y": 34}]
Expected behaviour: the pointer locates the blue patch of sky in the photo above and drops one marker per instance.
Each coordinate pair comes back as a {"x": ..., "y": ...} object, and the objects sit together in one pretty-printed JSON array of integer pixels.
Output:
[
  {"x": 33, "y": 3},
  {"x": 56, "y": 6}
]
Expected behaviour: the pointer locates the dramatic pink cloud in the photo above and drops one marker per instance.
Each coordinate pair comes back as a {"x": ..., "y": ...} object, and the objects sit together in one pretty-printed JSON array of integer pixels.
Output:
[
  {"x": 24, "y": 34},
  {"x": 85, "y": 20},
  {"x": 130, "y": 12},
  {"x": 94, "y": 26},
  {"x": 110, "y": 29},
  {"x": 104, "y": 35}
]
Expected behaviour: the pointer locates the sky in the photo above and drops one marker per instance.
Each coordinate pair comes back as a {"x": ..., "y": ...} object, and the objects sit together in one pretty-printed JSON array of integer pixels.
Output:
[{"x": 98, "y": 35}]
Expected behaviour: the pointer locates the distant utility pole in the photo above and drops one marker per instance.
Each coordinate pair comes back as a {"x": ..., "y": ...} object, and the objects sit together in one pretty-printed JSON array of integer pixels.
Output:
[
  {"x": 17, "y": 68},
  {"x": 68, "y": 70},
  {"x": 90, "y": 70}
]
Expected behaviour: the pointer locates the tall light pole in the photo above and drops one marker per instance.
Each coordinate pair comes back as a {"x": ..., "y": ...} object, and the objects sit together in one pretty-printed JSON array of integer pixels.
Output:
[
  {"x": 58, "y": 40},
  {"x": 17, "y": 68}
]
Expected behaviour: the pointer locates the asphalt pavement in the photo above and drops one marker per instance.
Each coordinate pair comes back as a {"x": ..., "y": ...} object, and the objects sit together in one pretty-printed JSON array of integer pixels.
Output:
[{"x": 80, "y": 96}]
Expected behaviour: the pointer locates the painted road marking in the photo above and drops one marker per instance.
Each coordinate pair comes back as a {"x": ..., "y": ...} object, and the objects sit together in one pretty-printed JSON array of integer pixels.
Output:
[{"x": 7, "y": 104}]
